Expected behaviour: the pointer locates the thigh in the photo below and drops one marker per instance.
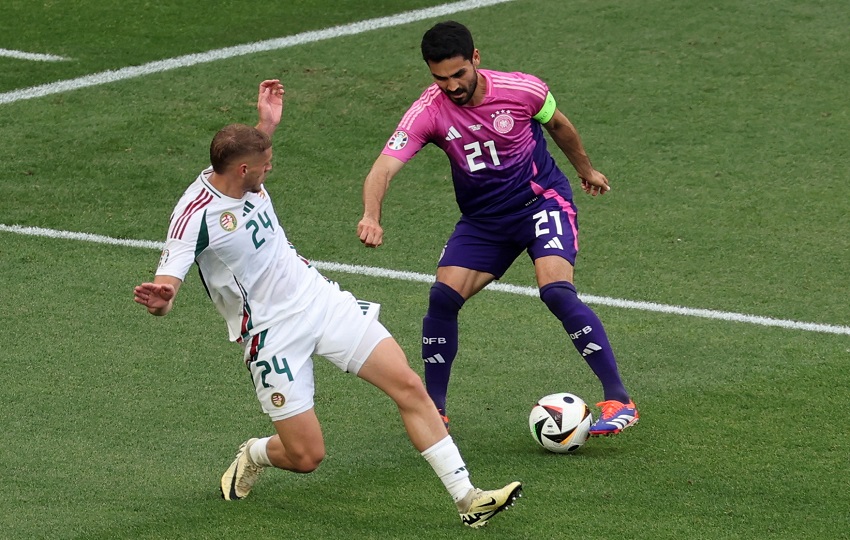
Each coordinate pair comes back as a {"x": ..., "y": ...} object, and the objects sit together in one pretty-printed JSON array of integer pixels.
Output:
[
  {"x": 552, "y": 229},
  {"x": 485, "y": 246},
  {"x": 282, "y": 371},
  {"x": 344, "y": 326}
]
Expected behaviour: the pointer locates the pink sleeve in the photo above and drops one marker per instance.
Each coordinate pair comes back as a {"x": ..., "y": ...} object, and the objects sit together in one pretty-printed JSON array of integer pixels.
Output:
[
  {"x": 414, "y": 130},
  {"x": 535, "y": 92}
]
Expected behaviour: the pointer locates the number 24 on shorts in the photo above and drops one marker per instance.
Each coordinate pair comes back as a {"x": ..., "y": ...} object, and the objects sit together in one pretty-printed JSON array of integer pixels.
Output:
[{"x": 280, "y": 367}]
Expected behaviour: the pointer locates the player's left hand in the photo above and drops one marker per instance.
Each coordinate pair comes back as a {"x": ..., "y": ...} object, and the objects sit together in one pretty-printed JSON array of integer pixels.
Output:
[{"x": 595, "y": 183}]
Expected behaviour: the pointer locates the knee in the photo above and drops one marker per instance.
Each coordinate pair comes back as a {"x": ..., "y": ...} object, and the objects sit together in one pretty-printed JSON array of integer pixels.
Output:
[
  {"x": 560, "y": 297},
  {"x": 444, "y": 302},
  {"x": 408, "y": 390},
  {"x": 306, "y": 461}
]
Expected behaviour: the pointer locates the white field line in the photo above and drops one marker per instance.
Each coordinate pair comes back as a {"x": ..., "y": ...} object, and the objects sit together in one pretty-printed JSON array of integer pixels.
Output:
[
  {"x": 159, "y": 66},
  {"x": 21, "y": 55},
  {"x": 372, "y": 271}
]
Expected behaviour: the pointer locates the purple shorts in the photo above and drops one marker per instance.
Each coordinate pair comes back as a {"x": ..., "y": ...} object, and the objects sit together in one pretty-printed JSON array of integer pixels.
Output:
[{"x": 548, "y": 226}]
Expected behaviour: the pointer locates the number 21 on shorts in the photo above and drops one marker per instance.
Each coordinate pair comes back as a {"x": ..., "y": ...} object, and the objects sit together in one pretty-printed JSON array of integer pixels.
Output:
[{"x": 541, "y": 224}]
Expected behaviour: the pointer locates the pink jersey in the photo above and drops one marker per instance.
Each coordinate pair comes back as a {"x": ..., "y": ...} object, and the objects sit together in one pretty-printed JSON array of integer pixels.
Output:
[{"x": 497, "y": 151}]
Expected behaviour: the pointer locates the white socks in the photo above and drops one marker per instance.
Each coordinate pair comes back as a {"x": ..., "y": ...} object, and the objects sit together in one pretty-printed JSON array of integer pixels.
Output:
[
  {"x": 259, "y": 454},
  {"x": 444, "y": 458}
]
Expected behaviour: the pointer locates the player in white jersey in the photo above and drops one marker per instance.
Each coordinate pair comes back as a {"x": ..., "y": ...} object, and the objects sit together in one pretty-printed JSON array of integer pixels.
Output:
[{"x": 283, "y": 311}]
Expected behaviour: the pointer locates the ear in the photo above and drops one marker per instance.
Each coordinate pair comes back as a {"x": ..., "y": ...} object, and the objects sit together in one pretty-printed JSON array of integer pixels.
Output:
[
  {"x": 476, "y": 58},
  {"x": 243, "y": 169}
]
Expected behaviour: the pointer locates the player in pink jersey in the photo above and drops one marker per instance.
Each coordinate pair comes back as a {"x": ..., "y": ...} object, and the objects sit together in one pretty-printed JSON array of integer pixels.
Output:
[{"x": 512, "y": 197}]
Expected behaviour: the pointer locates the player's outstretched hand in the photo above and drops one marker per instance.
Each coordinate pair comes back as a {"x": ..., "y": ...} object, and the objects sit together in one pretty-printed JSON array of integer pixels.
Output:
[
  {"x": 595, "y": 183},
  {"x": 370, "y": 232},
  {"x": 270, "y": 102},
  {"x": 154, "y": 296}
]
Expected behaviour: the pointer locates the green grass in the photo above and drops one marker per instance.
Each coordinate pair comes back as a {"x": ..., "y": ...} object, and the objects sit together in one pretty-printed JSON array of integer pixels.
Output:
[{"x": 723, "y": 129}]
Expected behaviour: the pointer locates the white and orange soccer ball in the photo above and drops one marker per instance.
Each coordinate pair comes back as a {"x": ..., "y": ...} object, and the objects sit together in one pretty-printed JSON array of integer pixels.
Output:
[{"x": 560, "y": 422}]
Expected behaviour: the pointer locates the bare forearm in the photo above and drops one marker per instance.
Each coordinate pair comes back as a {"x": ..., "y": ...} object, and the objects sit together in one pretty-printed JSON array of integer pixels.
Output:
[
  {"x": 377, "y": 183},
  {"x": 267, "y": 128},
  {"x": 568, "y": 140},
  {"x": 374, "y": 189},
  {"x": 566, "y": 136}
]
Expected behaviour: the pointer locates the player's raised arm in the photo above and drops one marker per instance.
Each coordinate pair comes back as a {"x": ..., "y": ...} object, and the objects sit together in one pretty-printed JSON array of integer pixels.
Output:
[
  {"x": 568, "y": 140},
  {"x": 270, "y": 105},
  {"x": 158, "y": 296},
  {"x": 374, "y": 189}
]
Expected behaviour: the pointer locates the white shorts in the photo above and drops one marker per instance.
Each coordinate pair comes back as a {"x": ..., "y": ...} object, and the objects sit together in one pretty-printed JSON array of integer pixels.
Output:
[{"x": 280, "y": 357}]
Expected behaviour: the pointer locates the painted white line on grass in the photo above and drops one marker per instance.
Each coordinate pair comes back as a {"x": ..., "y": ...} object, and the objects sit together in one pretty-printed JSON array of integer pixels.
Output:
[
  {"x": 372, "y": 271},
  {"x": 86, "y": 237},
  {"x": 21, "y": 55},
  {"x": 159, "y": 66}
]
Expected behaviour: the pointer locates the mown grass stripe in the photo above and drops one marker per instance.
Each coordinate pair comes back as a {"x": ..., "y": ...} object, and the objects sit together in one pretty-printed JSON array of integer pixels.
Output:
[
  {"x": 372, "y": 271},
  {"x": 302, "y": 38}
]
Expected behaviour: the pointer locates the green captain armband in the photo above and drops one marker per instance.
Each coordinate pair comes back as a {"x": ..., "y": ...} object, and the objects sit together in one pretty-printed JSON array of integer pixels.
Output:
[{"x": 547, "y": 111}]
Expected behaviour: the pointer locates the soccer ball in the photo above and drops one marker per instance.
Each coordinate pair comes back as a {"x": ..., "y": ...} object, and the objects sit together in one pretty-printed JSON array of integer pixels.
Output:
[{"x": 560, "y": 423}]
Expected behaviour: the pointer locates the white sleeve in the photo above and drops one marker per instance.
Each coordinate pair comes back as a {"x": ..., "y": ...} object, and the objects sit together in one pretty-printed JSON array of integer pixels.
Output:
[{"x": 176, "y": 259}]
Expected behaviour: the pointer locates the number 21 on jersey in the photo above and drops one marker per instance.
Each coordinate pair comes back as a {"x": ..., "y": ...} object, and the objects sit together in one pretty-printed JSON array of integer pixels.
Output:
[{"x": 475, "y": 151}]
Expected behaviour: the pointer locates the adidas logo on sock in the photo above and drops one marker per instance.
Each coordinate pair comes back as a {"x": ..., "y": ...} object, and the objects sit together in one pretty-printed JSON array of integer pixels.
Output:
[
  {"x": 436, "y": 359},
  {"x": 453, "y": 134},
  {"x": 590, "y": 348},
  {"x": 554, "y": 243}
]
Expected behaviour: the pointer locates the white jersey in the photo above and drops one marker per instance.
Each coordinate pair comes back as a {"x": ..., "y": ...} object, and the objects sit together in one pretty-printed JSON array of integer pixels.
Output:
[{"x": 251, "y": 272}]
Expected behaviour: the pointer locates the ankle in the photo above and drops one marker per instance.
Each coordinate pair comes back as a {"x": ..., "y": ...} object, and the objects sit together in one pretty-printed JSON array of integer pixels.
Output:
[
  {"x": 466, "y": 501},
  {"x": 258, "y": 453}
]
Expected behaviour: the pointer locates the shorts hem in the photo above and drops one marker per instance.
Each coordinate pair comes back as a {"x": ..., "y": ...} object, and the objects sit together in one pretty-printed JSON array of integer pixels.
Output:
[{"x": 283, "y": 415}]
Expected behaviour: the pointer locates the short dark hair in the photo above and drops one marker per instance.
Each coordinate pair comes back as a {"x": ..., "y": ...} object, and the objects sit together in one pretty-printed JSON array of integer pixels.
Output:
[
  {"x": 235, "y": 141},
  {"x": 447, "y": 40}
]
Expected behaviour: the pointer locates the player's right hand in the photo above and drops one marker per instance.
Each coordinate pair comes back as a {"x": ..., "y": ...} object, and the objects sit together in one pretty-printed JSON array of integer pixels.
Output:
[
  {"x": 270, "y": 103},
  {"x": 153, "y": 295},
  {"x": 370, "y": 232}
]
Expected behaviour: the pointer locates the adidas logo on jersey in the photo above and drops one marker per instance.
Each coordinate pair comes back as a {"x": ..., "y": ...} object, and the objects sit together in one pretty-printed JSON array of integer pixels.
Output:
[
  {"x": 247, "y": 208},
  {"x": 554, "y": 243},
  {"x": 452, "y": 134}
]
